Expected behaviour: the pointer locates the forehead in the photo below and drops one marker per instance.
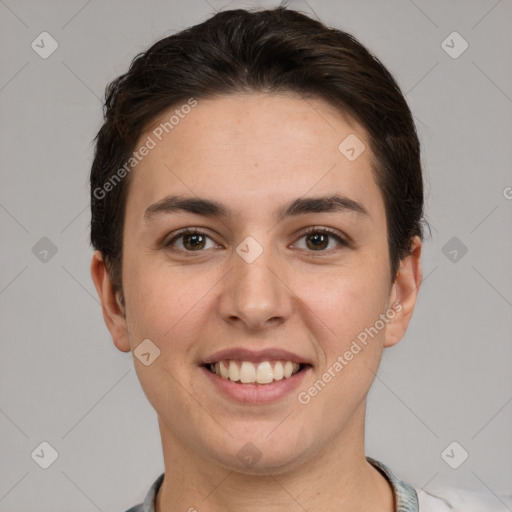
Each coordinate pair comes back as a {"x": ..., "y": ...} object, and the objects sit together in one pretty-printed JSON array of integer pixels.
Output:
[{"x": 248, "y": 148}]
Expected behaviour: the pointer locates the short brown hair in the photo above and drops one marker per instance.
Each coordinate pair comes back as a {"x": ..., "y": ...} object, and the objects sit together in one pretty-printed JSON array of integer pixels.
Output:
[{"x": 273, "y": 51}]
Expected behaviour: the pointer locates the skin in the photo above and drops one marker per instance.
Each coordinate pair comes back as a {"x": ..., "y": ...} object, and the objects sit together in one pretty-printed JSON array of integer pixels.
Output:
[{"x": 255, "y": 153}]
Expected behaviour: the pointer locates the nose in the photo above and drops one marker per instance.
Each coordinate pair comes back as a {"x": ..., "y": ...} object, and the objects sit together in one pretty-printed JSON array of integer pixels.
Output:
[{"x": 255, "y": 294}]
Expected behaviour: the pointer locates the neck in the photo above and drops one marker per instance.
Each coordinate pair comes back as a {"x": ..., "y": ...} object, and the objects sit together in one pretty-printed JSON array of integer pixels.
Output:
[{"x": 337, "y": 479}]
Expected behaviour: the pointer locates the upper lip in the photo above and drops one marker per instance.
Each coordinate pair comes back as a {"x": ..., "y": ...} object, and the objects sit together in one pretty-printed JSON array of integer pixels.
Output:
[{"x": 255, "y": 356}]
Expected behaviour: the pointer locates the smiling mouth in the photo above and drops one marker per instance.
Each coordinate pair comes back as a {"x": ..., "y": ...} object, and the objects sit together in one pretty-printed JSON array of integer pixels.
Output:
[{"x": 246, "y": 372}]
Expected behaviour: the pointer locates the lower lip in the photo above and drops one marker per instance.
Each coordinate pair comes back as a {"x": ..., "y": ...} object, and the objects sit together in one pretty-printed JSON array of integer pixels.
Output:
[{"x": 256, "y": 393}]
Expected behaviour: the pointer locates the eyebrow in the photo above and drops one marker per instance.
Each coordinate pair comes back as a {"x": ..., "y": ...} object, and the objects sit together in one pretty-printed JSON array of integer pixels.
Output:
[{"x": 209, "y": 208}]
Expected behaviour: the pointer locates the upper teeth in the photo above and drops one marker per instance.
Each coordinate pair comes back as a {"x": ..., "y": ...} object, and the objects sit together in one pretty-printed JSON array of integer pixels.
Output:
[{"x": 261, "y": 373}]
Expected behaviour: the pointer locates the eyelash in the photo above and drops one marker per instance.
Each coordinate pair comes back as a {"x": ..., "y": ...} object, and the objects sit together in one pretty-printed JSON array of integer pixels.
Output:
[{"x": 312, "y": 230}]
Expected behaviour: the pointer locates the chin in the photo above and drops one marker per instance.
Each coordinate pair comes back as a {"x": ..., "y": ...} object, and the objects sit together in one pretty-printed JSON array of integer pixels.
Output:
[{"x": 260, "y": 455}]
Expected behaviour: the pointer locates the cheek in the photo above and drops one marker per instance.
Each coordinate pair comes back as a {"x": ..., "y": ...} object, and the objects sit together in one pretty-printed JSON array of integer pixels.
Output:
[
  {"x": 164, "y": 305},
  {"x": 163, "y": 301},
  {"x": 346, "y": 300},
  {"x": 350, "y": 306}
]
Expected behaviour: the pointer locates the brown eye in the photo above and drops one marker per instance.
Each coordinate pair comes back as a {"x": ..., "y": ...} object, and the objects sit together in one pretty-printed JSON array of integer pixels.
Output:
[
  {"x": 319, "y": 240},
  {"x": 190, "y": 241},
  {"x": 193, "y": 242}
]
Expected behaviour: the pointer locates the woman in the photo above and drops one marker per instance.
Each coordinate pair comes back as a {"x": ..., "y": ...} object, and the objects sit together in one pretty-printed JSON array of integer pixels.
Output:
[{"x": 257, "y": 206}]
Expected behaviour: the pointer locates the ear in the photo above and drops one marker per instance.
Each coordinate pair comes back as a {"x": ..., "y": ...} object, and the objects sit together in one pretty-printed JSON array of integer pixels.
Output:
[
  {"x": 113, "y": 311},
  {"x": 404, "y": 292}
]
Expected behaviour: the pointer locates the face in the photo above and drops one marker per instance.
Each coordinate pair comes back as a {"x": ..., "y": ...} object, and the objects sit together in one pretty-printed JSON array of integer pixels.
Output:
[{"x": 284, "y": 266}]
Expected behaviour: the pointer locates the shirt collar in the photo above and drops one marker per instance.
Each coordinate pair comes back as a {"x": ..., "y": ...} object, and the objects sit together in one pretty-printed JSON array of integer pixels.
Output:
[{"x": 406, "y": 499}]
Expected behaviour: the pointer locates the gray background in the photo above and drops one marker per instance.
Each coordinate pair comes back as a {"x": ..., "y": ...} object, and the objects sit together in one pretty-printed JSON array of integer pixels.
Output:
[{"x": 63, "y": 381}]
